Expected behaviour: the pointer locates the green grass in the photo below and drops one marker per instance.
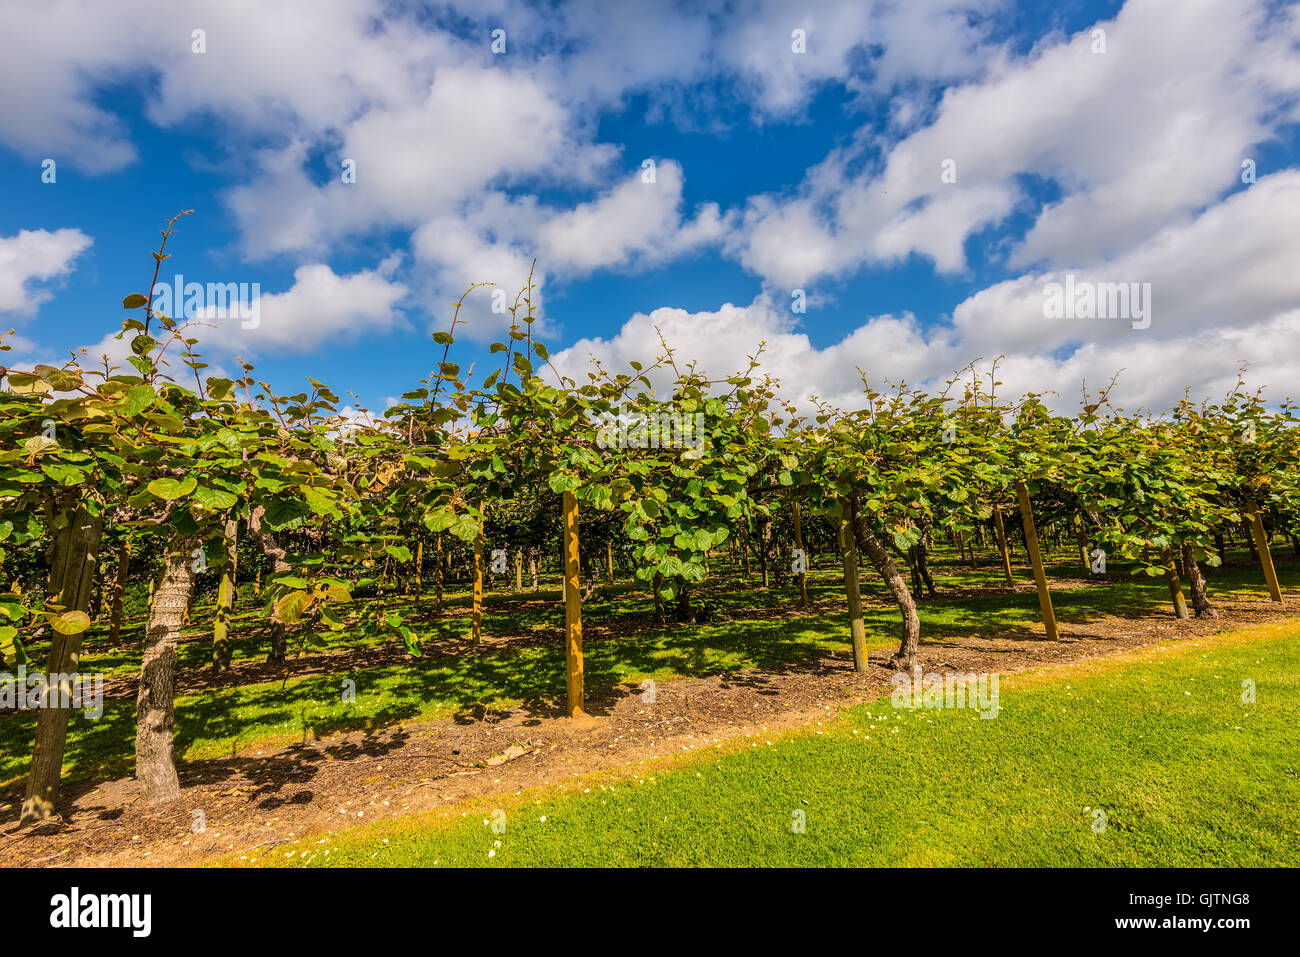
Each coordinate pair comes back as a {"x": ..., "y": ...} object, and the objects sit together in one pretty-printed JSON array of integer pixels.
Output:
[
  {"x": 756, "y": 629},
  {"x": 1160, "y": 741}
]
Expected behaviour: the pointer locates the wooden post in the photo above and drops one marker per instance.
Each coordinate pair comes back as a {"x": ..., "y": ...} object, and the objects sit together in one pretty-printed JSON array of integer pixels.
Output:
[
  {"x": 477, "y": 615},
  {"x": 119, "y": 591},
  {"x": 1175, "y": 586},
  {"x": 1036, "y": 559},
  {"x": 572, "y": 610},
  {"x": 519, "y": 570},
  {"x": 419, "y": 567},
  {"x": 857, "y": 628},
  {"x": 609, "y": 561},
  {"x": 1261, "y": 546},
  {"x": 225, "y": 599},
  {"x": 437, "y": 567},
  {"x": 1002, "y": 545},
  {"x": 798, "y": 543}
]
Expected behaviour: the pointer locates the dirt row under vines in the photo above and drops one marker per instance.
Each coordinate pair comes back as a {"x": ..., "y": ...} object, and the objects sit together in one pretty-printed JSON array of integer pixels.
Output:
[{"x": 281, "y": 801}]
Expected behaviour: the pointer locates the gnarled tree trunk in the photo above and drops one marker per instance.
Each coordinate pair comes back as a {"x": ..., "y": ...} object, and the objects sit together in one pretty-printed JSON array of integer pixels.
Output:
[
  {"x": 155, "y": 713},
  {"x": 1200, "y": 600},
  {"x": 869, "y": 545},
  {"x": 73, "y": 557},
  {"x": 923, "y": 563}
]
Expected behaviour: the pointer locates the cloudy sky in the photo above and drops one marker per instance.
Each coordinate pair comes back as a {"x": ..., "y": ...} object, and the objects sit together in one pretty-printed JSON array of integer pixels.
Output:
[{"x": 914, "y": 172}]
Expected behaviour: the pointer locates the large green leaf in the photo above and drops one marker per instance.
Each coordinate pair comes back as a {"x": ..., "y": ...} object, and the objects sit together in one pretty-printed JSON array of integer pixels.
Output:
[{"x": 171, "y": 489}]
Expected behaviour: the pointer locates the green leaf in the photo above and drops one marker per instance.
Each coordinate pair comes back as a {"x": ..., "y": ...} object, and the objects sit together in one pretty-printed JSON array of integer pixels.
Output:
[
  {"x": 291, "y": 606},
  {"x": 171, "y": 489},
  {"x": 142, "y": 345},
  {"x": 561, "y": 482},
  {"x": 400, "y": 552},
  {"x": 137, "y": 399},
  {"x": 321, "y": 501},
  {"x": 214, "y": 499},
  {"x": 135, "y": 301},
  {"x": 70, "y": 622}
]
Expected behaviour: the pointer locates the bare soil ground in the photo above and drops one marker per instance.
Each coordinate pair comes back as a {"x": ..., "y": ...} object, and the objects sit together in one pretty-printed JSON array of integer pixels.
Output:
[{"x": 255, "y": 802}]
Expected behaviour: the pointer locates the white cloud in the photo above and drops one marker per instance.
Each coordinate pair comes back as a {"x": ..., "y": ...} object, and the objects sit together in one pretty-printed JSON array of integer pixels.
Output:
[
  {"x": 1225, "y": 291},
  {"x": 496, "y": 240},
  {"x": 892, "y": 42},
  {"x": 1137, "y": 138},
  {"x": 634, "y": 221},
  {"x": 320, "y": 307},
  {"x": 33, "y": 255}
]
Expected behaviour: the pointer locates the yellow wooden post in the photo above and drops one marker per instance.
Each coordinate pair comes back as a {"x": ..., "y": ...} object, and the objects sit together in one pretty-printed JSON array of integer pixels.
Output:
[
  {"x": 1002, "y": 544},
  {"x": 519, "y": 570},
  {"x": 609, "y": 561},
  {"x": 477, "y": 616},
  {"x": 857, "y": 628},
  {"x": 225, "y": 599},
  {"x": 572, "y": 610},
  {"x": 437, "y": 567},
  {"x": 1261, "y": 546},
  {"x": 1036, "y": 559},
  {"x": 798, "y": 543},
  {"x": 119, "y": 591},
  {"x": 419, "y": 567},
  {"x": 1175, "y": 586}
]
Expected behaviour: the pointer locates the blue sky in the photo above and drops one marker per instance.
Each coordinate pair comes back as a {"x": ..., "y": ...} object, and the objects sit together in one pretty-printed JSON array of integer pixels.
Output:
[{"x": 1102, "y": 139}]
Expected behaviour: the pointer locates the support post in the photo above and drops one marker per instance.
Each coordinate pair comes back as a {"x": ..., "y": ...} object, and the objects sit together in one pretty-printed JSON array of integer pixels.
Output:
[
  {"x": 225, "y": 598},
  {"x": 849, "y": 551},
  {"x": 1002, "y": 546},
  {"x": 437, "y": 568},
  {"x": 1175, "y": 585},
  {"x": 119, "y": 591},
  {"x": 572, "y": 610},
  {"x": 1036, "y": 559},
  {"x": 477, "y": 614},
  {"x": 798, "y": 543},
  {"x": 1261, "y": 546}
]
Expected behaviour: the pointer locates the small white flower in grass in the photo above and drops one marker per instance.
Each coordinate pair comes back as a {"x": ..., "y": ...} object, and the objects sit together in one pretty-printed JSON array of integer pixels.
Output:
[
  {"x": 542, "y": 819},
  {"x": 492, "y": 853}
]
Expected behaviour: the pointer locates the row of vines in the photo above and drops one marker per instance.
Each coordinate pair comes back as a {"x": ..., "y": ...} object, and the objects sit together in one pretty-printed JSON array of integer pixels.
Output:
[{"x": 160, "y": 458}]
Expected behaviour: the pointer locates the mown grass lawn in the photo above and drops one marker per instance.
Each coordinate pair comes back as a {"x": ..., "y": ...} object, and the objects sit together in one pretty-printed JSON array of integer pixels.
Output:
[{"x": 1160, "y": 741}]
